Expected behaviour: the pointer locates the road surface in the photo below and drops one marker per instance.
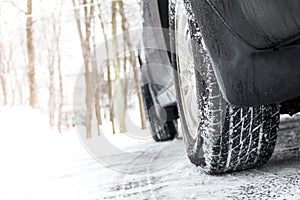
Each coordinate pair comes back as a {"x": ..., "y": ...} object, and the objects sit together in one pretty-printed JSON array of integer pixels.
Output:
[
  {"x": 59, "y": 167},
  {"x": 279, "y": 179}
]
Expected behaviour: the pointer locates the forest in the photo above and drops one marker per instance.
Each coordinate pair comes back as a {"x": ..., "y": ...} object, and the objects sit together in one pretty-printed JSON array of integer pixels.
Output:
[{"x": 75, "y": 60}]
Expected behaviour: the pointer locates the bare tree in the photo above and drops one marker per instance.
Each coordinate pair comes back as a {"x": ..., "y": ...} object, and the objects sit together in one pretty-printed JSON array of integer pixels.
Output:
[
  {"x": 96, "y": 79},
  {"x": 124, "y": 29},
  {"x": 51, "y": 100},
  {"x": 84, "y": 30},
  {"x": 8, "y": 72},
  {"x": 3, "y": 74},
  {"x": 133, "y": 61},
  {"x": 119, "y": 88},
  {"x": 51, "y": 34},
  {"x": 31, "y": 56},
  {"x": 109, "y": 81},
  {"x": 56, "y": 26}
]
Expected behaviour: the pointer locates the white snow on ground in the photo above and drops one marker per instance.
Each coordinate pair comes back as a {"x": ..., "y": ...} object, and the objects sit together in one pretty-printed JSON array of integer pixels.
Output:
[
  {"x": 40, "y": 163},
  {"x": 37, "y": 163}
]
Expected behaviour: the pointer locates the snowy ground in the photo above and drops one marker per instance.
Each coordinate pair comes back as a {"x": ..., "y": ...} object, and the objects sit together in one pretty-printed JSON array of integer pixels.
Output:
[{"x": 37, "y": 163}]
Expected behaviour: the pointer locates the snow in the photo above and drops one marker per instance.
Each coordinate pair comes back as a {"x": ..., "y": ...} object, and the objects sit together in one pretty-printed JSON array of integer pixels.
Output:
[
  {"x": 40, "y": 163},
  {"x": 34, "y": 159}
]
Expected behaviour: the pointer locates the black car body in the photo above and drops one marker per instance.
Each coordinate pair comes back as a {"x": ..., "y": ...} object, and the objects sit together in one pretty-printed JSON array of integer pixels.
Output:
[
  {"x": 254, "y": 45},
  {"x": 255, "y": 48},
  {"x": 245, "y": 59}
]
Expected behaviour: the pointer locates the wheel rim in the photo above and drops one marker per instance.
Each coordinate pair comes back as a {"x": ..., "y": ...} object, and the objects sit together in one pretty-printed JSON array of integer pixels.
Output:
[{"x": 186, "y": 71}]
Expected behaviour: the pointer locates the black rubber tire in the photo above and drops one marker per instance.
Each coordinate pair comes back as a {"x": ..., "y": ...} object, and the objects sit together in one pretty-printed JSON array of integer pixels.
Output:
[
  {"x": 228, "y": 138},
  {"x": 161, "y": 131}
]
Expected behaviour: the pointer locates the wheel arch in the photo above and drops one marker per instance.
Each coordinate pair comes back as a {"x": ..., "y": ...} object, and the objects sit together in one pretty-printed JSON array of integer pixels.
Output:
[{"x": 247, "y": 77}]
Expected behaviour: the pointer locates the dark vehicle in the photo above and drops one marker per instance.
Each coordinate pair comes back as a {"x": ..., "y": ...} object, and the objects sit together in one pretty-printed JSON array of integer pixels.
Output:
[{"x": 235, "y": 67}]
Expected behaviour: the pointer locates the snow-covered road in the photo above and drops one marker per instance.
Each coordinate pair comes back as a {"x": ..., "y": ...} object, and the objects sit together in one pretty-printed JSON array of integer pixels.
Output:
[
  {"x": 279, "y": 179},
  {"x": 56, "y": 166}
]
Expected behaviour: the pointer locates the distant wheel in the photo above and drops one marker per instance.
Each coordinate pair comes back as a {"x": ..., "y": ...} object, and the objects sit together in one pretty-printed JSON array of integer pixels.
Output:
[
  {"x": 161, "y": 129},
  {"x": 219, "y": 137}
]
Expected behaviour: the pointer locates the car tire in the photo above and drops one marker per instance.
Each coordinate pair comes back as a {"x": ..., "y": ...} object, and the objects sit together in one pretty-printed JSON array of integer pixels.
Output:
[
  {"x": 224, "y": 138},
  {"x": 161, "y": 129}
]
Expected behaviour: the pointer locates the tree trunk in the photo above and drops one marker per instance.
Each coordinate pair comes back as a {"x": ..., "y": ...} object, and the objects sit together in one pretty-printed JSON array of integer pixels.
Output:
[
  {"x": 137, "y": 82},
  {"x": 96, "y": 80},
  {"x": 57, "y": 32},
  {"x": 51, "y": 100},
  {"x": 3, "y": 85},
  {"x": 88, "y": 101},
  {"x": 125, "y": 38},
  {"x": 31, "y": 56},
  {"x": 111, "y": 104},
  {"x": 61, "y": 92},
  {"x": 121, "y": 105},
  {"x": 3, "y": 75},
  {"x": 133, "y": 61},
  {"x": 109, "y": 81},
  {"x": 86, "y": 50}
]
